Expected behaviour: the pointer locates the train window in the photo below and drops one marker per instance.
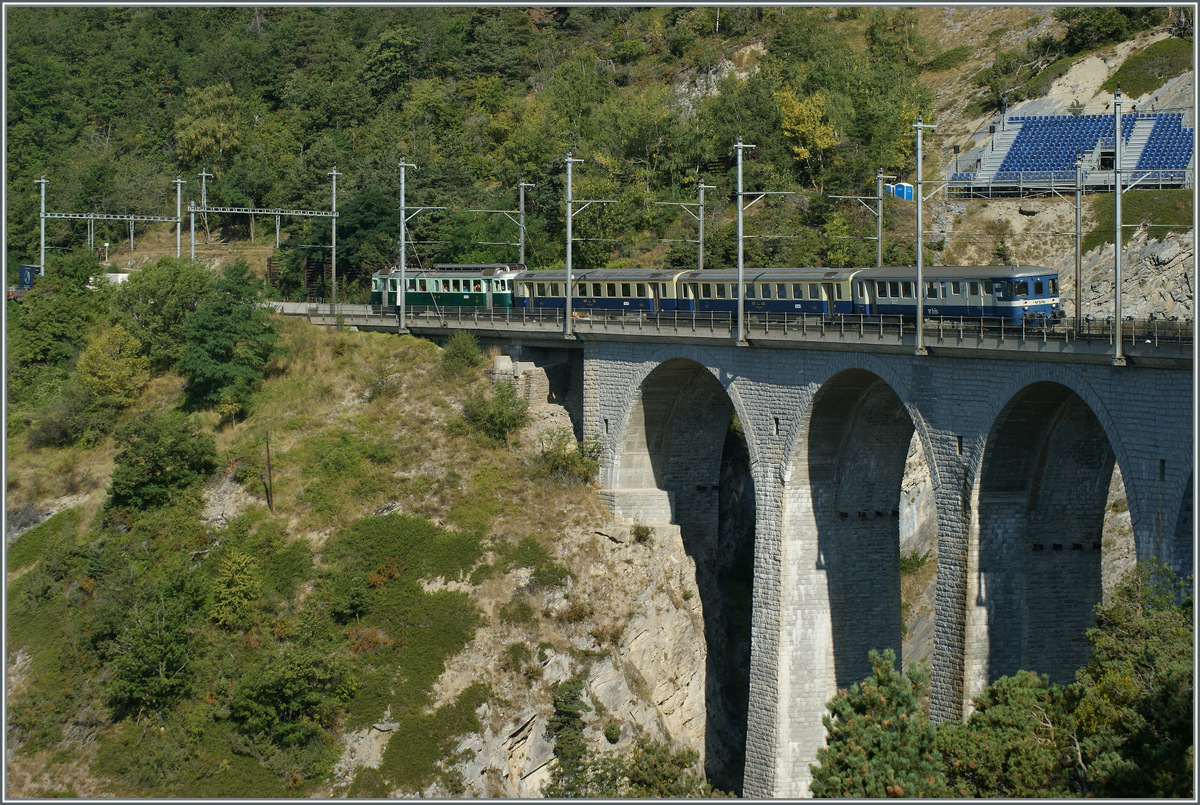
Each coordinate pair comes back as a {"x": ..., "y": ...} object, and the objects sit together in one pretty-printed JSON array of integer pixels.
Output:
[
  {"x": 412, "y": 285},
  {"x": 956, "y": 288},
  {"x": 766, "y": 289},
  {"x": 721, "y": 290},
  {"x": 663, "y": 291},
  {"x": 837, "y": 290},
  {"x": 626, "y": 289},
  {"x": 894, "y": 290},
  {"x": 554, "y": 289},
  {"x": 393, "y": 284},
  {"x": 931, "y": 290},
  {"x": 814, "y": 291},
  {"x": 541, "y": 289},
  {"x": 797, "y": 290},
  {"x": 974, "y": 289},
  {"x": 611, "y": 288},
  {"x": 706, "y": 290},
  {"x": 750, "y": 292},
  {"x": 1053, "y": 286},
  {"x": 641, "y": 290},
  {"x": 861, "y": 289},
  {"x": 881, "y": 289},
  {"x": 906, "y": 290},
  {"x": 987, "y": 287},
  {"x": 781, "y": 291},
  {"x": 733, "y": 291},
  {"x": 1037, "y": 288},
  {"x": 1021, "y": 289}
]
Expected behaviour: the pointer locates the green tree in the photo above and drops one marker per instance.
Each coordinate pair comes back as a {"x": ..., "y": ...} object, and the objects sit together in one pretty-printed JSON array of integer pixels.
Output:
[
  {"x": 496, "y": 416},
  {"x": 1135, "y": 698},
  {"x": 293, "y": 696},
  {"x": 895, "y": 37},
  {"x": 565, "y": 729},
  {"x": 152, "y": 654},
  {"x": 111, "y": 369},
  {"x": 461, "y": 354},
  {"x": 229, "y": 340},
  {"x": 235, "y": 593},
  {"x": 163, "y": 454},
  {"x": 1013, "y": 743},
  {"x": 207, "y": 129},
  {"x": 880, "y": 742},
  {"x": 154, "y": 303}
]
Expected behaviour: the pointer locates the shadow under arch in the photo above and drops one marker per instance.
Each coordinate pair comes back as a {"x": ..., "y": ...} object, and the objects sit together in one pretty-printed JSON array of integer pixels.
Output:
[
  {"x": 1035, "y": 567},
  {"x": 858, "y": 439},
  {"x": 1183, "y": 552},
  {"x": 680, "y": 453}
]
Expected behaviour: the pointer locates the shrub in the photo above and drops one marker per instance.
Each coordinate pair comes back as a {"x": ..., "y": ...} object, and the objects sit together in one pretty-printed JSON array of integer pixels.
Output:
[
  {"x": 516, "y": 611},
  {"x": 949, "y": 59},
  {"x": 564, "y": 462},
  {"x": 164, "y": 454},
  {"x": 612, "y": 732},
  {"x": 461, "y": 354},
  {"x": 496, "y": 416},
  {"x": 912, "y": 562},
  {"x": 230, "y": 339}
]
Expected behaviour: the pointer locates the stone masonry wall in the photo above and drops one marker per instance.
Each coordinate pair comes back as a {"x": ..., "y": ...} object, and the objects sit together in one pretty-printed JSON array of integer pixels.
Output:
[{"x": 953, "y": 404}]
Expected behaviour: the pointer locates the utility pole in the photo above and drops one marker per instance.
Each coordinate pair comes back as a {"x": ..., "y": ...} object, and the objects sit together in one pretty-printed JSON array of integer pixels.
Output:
[
  {"x": 333, "y": 252},
  {"x": 41, "y": 183},
  {"x": 879, "y": 177},
  {"x": 178, "y": 216},
  {"x": 519, "y": 221},
  {"x": 1118, "y": 357},
  {"x": 919, "y": 126},
  {"x": 571, "y": 202},
  {"x": 1078, "y": 237},
  {"x": 877, "y": 212},
  {"x": 567, "y": 306},
  {"x": 204, "y": 174},
  {"x": 759, "y": 195},
  {"x": 741, "y": 326},
  {"x": 404, "y": 219},
  {"x": 521, "y": 226},
  {"x": 699, "y": 216}
]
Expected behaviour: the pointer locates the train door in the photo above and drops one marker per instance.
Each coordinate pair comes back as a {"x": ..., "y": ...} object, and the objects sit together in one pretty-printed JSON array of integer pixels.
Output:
[
  {"x": 974, "y": 298},
  {"x": 827, "y": 297}
]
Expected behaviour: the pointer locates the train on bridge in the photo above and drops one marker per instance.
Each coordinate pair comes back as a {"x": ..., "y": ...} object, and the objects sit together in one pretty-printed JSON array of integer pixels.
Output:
[{"x": 1011, "y": 293}]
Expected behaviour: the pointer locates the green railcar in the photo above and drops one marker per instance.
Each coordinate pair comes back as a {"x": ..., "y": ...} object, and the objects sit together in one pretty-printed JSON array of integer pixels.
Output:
[{"x": 449, "y": 285}]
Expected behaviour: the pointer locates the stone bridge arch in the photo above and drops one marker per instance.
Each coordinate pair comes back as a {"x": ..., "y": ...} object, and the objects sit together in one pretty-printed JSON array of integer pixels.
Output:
[
  {"x": 840, "y": 531},
  {"x": 675, "y": 458}
]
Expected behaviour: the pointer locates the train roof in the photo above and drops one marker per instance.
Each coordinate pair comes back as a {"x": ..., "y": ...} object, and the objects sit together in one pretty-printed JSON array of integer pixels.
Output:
[
  {"x": 801, "y": 273},
  {"x": 955, "y": 272},
  {"x": 485, "y": 269},
  {"x": 602, "y": 275}
]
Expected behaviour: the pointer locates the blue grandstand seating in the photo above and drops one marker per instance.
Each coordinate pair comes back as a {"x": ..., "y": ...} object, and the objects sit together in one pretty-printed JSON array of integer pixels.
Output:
[{"x": 1048, "y": 145}]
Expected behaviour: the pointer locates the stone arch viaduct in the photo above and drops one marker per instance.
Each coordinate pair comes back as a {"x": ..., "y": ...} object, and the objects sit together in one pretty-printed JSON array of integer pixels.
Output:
[
  {"x": 1021, "y": 453},
  {"x": 1021, "y": 434}
]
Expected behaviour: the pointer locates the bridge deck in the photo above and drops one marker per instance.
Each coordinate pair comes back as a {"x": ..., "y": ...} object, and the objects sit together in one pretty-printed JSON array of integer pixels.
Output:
[{"x": 1147, "y": 343}]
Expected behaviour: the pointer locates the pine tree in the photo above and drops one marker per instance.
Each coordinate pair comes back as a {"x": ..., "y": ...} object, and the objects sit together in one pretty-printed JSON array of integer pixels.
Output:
[{"x": 880, "y": 740}]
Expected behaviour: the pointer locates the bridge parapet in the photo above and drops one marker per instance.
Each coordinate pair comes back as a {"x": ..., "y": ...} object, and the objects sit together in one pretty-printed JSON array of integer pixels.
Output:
[{"x": 1160, "y": 344}]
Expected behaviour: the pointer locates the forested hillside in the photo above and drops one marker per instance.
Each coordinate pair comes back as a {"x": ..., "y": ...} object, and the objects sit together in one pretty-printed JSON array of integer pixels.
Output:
[
  {"x": 112, "y": 104},
  {"x": 247, "y": 557}
]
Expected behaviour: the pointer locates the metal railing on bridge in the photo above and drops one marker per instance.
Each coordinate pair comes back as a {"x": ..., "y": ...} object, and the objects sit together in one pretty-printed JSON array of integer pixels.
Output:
[{"x": 809, "y": 327}]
